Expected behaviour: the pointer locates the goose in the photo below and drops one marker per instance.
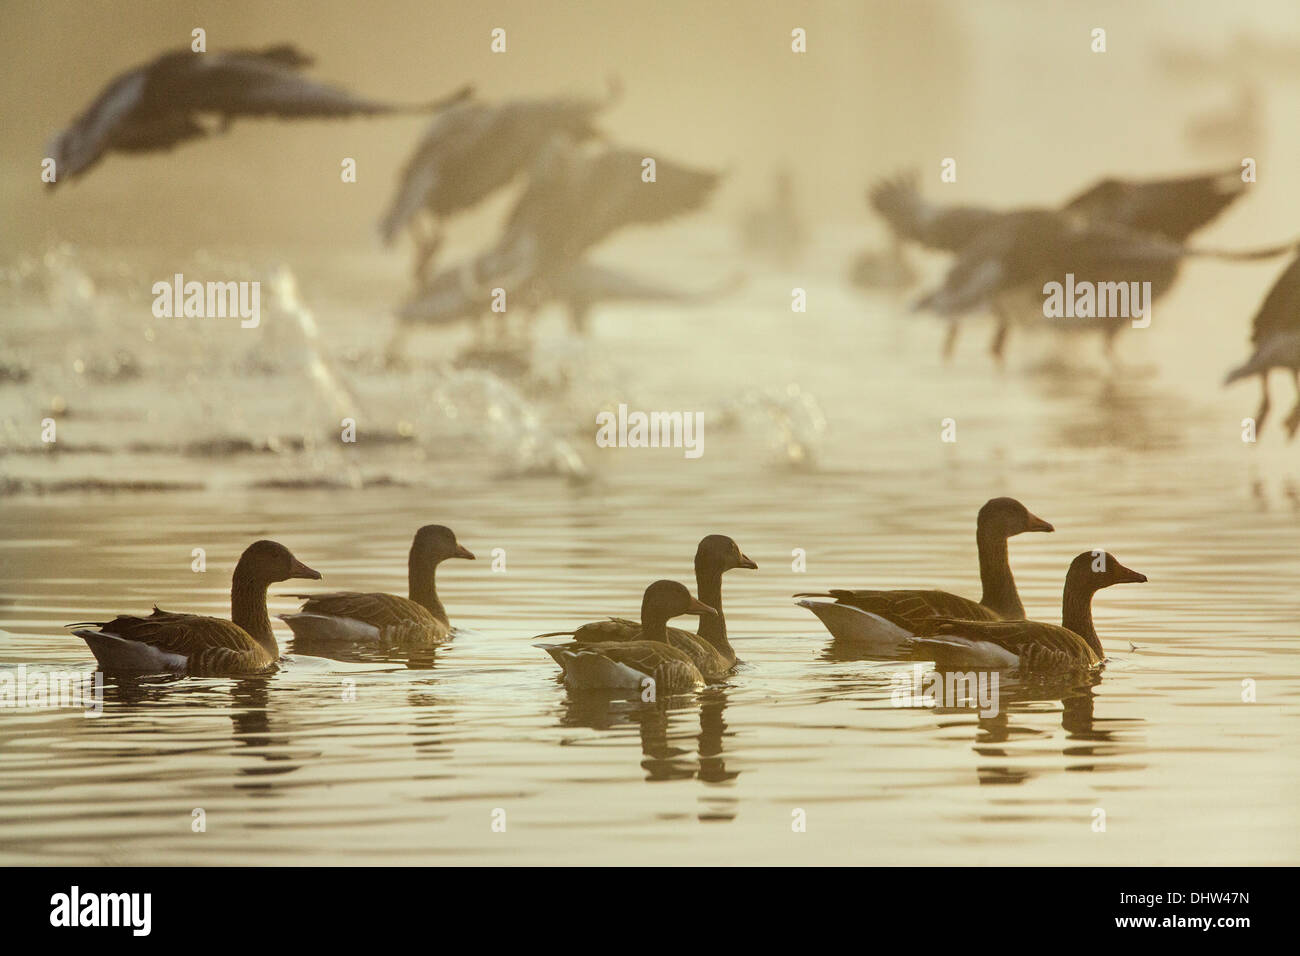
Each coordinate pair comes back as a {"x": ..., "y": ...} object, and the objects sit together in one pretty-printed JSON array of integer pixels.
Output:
[
  {"x": 709, "y": 649},
  {"x": 885, "y": 621},
  {"x": 200, "y": 646},
  {"x": 470, "y": 152},
  {"x": 1276, "y": 337},
  {"x": 1031, "y": 646},
  {"x": 162, "y": 103},
  {"x": 416, "y": 621},
  {"x": 1101, "y": 226},
  {"x": 644, "y": 658}
]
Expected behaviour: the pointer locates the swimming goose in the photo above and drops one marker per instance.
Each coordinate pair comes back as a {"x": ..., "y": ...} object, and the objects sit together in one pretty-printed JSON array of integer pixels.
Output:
[
  {"x": 418, "y": 620},
  {"x": 1276, "y": 337},
  {"x": 1030, "y": 646},
  {"x": 627, "y": 664},
  {"x": 886, "y": 620},
  {"x": 709, "y": 649},
  {"x": 197, "y": 645},
  {"x": 162, "y": 103}
]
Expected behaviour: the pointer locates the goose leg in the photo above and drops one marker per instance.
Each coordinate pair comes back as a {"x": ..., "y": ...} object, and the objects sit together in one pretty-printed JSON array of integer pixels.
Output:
[
  {"x": 999, "y": 340},
  {"x": 426, "y": 248},
  {"x": 1293, "y": 419},
  {"x": 579, "y": 313},
  {"x": 1264, "y": 404},
  {"x": 950, "y": 340},
  {"x": 395, "y": 350}
]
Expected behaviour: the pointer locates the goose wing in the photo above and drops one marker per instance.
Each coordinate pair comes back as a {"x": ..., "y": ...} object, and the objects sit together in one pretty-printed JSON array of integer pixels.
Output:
[
  {"x": 376, "y": 609},
  {"x": 184, "y": 634},
  {"x": 83, "y": 143},
  {"x": 430, "y": 177},
  {"x": 1039, "y": 646},
  {"x": 261, "y": 83},
  {"x": 1280, "y": 310},
  {"x": 669, "y": 667},
  {"x": 1174, "y": 208},
  {"x": 910, "y": 609}
]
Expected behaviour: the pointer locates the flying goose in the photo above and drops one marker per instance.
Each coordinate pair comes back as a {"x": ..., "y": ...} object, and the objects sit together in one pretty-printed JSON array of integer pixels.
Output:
[
  {"x": 163, "y": 102},
  {"x": 709, "y": 649},
  {"x": 646, "y": 656},
  {"x": 416, "y": 621},
  {"x": 1276, "y": 338},
  {"x": 999, "y": 246},
  {"x": 470, "y": 152},
  {"x": 167, "y": 642},
  {"x": 885, "y": 621},
  {"x": 1030, "y": 646}
]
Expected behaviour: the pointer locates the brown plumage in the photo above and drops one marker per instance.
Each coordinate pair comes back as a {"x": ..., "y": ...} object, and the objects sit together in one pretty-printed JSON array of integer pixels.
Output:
[
  {"x": 708, "y": 649},
  {"x": 1031, "y": 646},
  {"x": 646, "y": 654},
  {"x": 198, "y": 645},
  {"x": 886, "y": 619},
  {"x": 405, "y": 623}
]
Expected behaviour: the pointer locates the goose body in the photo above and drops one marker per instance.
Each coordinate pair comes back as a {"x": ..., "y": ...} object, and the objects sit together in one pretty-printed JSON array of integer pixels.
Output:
[
  {"x": 1276, "y": 337},
  {"x": 162, "y": 103},
  {"x": 884, "y": 621},
  {"x": 645, "y": 654},
  {"x": 417, "y": 621},
  {"x": 197, "y": 645},
  {"x": 709, "y": 649},
  {"x": 1030, "y": 647}
]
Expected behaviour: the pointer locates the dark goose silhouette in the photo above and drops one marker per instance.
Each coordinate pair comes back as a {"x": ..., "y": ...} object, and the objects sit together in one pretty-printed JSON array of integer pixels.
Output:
[
  {"x": 164, "y": 102},
  {"x": 1276, "y": 337},
  {"x": 884, "y": 621},
  {"x": 709, "y": 649},
  {"x": 625, "y": 665},
  {"x": 1171, "y": 208},
  {"x": 418, "y": 621},
  {"x": 468, "y": 153},
  {"x": 167, "y": 642},
  {"x": 1030, "y": 646}
]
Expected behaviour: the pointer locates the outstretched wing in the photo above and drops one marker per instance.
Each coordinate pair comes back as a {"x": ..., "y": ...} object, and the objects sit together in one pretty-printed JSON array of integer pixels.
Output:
[
  {"x": 80, "y": 146},
  {"x": 1173, "y": 208}
]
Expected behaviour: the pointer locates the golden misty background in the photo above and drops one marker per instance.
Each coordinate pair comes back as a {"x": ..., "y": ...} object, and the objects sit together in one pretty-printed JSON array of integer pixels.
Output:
[{"x": 1010, "y": 89}]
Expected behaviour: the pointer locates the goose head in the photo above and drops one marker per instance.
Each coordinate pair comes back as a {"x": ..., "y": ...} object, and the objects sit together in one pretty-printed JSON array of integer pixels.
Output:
[
  {"x": 668, "y": 599},
  {"x": 1007, "y": 517},
  {"x": 265, "y": 562},
  {"x": 435, "y": 543},
  {"x": 719, "y": 553},
  {"x": 1093, "y": 570}
]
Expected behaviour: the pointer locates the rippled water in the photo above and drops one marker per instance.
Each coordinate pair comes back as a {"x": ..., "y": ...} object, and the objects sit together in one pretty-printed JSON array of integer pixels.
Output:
[{"x": 822, "y": 434}]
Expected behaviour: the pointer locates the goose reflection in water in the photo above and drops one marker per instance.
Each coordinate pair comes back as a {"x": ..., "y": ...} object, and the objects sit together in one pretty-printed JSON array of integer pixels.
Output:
[{"x": 662, "y": 759}]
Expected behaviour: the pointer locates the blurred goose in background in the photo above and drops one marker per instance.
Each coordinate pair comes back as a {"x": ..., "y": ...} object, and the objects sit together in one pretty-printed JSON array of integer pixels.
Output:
[
  {"x": 416, "y": 621},
  {"x": 1276, "y": 337},
  {"x": 885, "y": 621},
  {"x": 1030, "y": 646},
  {"x": 167, "y": 642},
  {"x": 470, "y": 152},
  {"x": 575, "y": 199},
  {"x": 708, "y": 649},
  {"x": 626, "y": 665},
  {"x": 1009, "y": 255},
  {"x": 166, "y": 101}
]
